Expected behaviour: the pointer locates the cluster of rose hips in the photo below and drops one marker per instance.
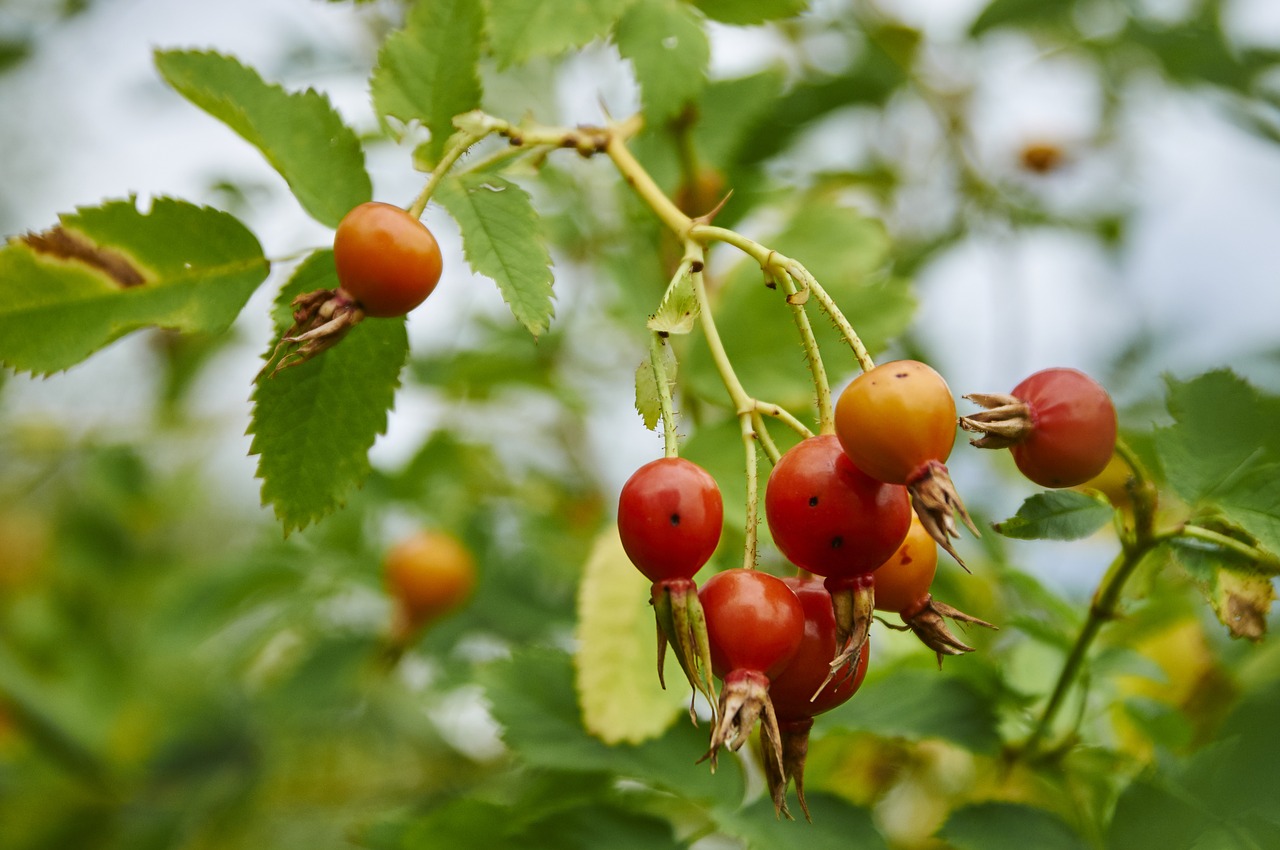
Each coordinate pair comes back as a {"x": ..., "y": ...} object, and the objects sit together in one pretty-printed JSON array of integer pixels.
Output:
[{"x": 840, "y": 508}]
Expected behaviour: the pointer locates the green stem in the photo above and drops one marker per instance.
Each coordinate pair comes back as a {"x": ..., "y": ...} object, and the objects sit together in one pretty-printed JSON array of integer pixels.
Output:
[
  {"x": 1264, "y": 561},
  {"x": 829, "y": 306},
  {"x": 459, "y": 143},
  {"x": 766, "y": 441},
  {"x": 1102, "y": 610},
  {"x": 821, "y": 386},
  {"x": 649, "y": 191},
  {"x": 670, "y": 445},
  {"x": 751, "y": 546}
]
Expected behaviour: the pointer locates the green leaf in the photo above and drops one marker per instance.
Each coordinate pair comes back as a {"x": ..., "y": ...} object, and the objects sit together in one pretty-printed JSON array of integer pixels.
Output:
[
  {"x": 678, "y": 312},
  {"x": 749, "y": 14},
  {"x": 842, "y": 249},
  {"x": 299, "y": 133},
  {"x": 648, "y": 404},
  {"x": 617, "y": 682},
  {"x": 428, "y": 71},
  {"x": 502, "y": 239},
  {"x": 596, "y": 826},
  {"x": 1057, "y": 515},
  {"x": 1223, "y": 429},
  {"x": 669, "y": 50},
  {"x": 1021, "y": 13},
  {"x": 459, "y": 823},
  {"x": 1008, "y": 826},
  {"x": 1253, "y": 503},
  {"x": 314, "y": 423},
  {"x": 917, "y": 704},
  {"x": 532, "y": 697},
  {"x": 106, "y": 271},
  {"x": 837, "y": 825},
  {"x": 520, "y": 30}
]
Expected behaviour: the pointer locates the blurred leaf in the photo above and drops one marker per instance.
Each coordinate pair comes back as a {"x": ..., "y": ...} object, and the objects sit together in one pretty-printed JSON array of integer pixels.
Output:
[
  {"x": 1021, "y": 13},
  {"x": 1008, "y": 826},
  {"x": 313, "y": 424},
  {"x": 616, "y": 679},
  {"x": 532, "y": 697},
  {"x": 596, "y": 826},
  {"x": 520, "y": 30},
  {"x": 502, "y": 239},
  {"x": 842, "y": 249},
  {"x": 1193, "y": 51},
  {"x": 300, "y": 134},
  {"x": 918, "y": 704},
  {"x": 1240, "y": 597},
  {"x": 503, "y": 357},
  {"x": 1057, "y": 515},
  {"x": 428, "y": 71},
  {"x": 837, "y": 825},
  {"x": 1222, "y": 430},
  {"x": 106, "y": 271},
  {"x": 669, "y": 50},
  {"x": 749, "y": 14}
]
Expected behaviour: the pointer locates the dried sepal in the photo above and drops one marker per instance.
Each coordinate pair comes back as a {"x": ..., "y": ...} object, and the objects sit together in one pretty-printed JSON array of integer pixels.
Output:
[
  {"x": 927, "y": 623},
  {"x": 744, "y": 700},
  {"x": 682, "y": 625},
  {"x": 1005, "y": 421},
  {"x": 936, "y": 502},
  {"x": 780, "y": 772},
  {"x": 853, "y": 602},
  {"x": 320, "y": 320}
]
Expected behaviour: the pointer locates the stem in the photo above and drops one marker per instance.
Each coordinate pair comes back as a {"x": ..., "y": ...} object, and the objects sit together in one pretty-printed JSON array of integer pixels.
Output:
[
  {"x": 639, "y": 180},
  {"x": 766, "y": 441},
  {"x": 826, "y": 414},
  {"x": 751, "y": 545},
  {"x": 1264, "y": 561},
  {"x": 670, "y": 445},
  {"x": 459, "y": 144},
  {"x": 1103, "y": 609},
  {"x": 830, "y": 307}
]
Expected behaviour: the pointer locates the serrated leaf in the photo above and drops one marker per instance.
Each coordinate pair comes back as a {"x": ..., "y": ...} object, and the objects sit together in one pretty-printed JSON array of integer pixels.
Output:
[
  {"x": 617, "y": 679},
  {"x": 842, "y": 248},
  {"x": 648, "y": 402},
  {"x": 299, "y": 133},
  {"x": 520, "y": 30},
  {"x": 106, "y": 271},
  {"x": 669, "y": 50},
  {"x": 750, "y": 14},
  {"x": 429, "y": 70},
  {"x": 1223, "y": 429},
  {"x": 532, "y": 697},
  {"x": 678, "y": 312},
  {"x": 314, "y": 423},
  {"x": 1057, "y": 515},
  {"x": 502, "y": 239},
  {"x": 918, "y": 704},
  {"x": 1008, "y": 826}
]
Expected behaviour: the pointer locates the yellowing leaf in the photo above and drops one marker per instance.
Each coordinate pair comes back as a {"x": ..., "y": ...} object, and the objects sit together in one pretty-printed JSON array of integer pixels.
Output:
[{"x": 616, "y": 672}]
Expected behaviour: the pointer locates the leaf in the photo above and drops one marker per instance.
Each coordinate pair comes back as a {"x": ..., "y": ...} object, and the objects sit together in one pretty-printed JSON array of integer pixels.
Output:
[
  {"x": 1057, "y": 515},
  {"x": 616, "y": 679},
  {"x": 1240, "y": 597},
  {"x": 106, "y": 271},
  {"x": 842, "y": 249},
  {"x": 1021, "y": 13},
  {"x": 918, "y": 704},
  {"x": 648, "y": 404},
  {"x": 669, "y": 50},
  {"x": 429, "y": 70},
  {"x": 595, "y": 826},
  {"x": 314, "y": 423},
  {"x": 1008, "y": 826},
  {"x": 502, "y": 240},
  {"x": 837, "y": 825},
  {"x": 1223, "y": 429},
  {"x": 1253, "y": 503},
  {"x": 749, "y": 14},
  {"x": 678, "y": 312},
  {"x": 520, "y": 30},
  {"x": 532, "y": 696},
  {"x": 299, "y": 133}
]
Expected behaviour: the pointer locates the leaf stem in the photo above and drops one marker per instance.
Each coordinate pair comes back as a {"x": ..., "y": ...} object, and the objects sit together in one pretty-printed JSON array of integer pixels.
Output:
[
  {"x": 1262, "y": 560},
  {"x": 822, "y": 387}
]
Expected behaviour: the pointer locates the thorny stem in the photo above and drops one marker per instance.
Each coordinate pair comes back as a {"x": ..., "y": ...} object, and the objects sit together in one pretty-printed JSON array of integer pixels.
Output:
[
  {"x": 640, "y": 180},
  {"x": 829, "y": 306},
  {"x": 459, "y": 144},
  {"x": 671, "y": 447},
  {"x": 753, "y": 493}
]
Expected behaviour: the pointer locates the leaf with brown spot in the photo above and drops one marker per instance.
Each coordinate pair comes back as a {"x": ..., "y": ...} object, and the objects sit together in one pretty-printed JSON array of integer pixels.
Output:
[{"x": 106, "y": 271}]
